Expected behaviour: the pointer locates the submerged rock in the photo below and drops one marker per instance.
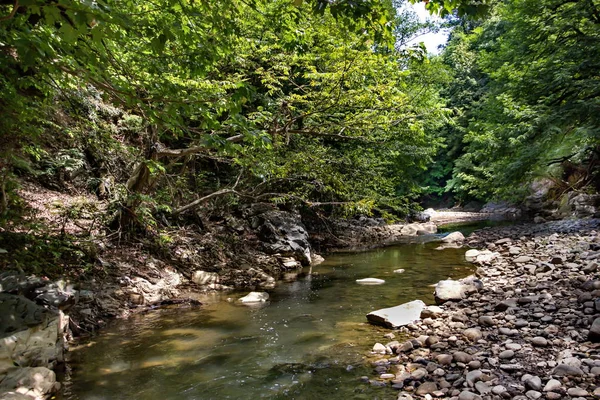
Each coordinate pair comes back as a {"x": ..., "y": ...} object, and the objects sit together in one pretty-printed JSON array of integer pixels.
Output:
[
  {"x": 394, "y": 317},
  {"x": 255, "y": 297}
]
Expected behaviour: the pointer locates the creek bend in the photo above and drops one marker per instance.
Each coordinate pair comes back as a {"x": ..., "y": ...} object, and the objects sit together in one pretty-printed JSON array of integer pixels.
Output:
[{"x": 308, "y": 342}]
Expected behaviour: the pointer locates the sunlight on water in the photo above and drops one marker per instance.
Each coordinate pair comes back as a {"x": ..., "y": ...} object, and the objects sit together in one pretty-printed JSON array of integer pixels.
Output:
[{"x": 308, "y": 342}]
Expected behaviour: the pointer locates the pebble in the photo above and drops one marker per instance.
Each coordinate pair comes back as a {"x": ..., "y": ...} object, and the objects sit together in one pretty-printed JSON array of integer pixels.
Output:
[
  {"x": 466, "y": 395},
  {"x": 552, "y": 385},
  {"x": 486, "y": 320},
  {"x": 472, "y": 334},
  {"x": 534, "y": 383},
  {"x": 533, "y": 308},
  {"x": 498, "y": 389},
  {"x": 461, "y": 356},
  {"x": 506, "y": 354},
  {"x": 426, "y": 388},
  {"x": 577, "y": 392},
  {"x": 539, "y": 341},
  {"x": 533, "y": 394}
]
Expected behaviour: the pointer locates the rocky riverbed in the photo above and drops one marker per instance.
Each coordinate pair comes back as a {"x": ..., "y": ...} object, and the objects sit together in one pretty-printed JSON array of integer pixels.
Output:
[{"x": 527, "y": 326}]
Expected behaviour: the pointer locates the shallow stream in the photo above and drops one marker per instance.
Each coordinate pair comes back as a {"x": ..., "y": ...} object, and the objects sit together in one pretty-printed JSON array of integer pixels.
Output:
[{"x": 308, "y": 342}]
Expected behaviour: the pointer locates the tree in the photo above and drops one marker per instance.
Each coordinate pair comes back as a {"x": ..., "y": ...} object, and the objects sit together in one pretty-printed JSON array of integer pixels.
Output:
[{"x": 540, "y": 105}]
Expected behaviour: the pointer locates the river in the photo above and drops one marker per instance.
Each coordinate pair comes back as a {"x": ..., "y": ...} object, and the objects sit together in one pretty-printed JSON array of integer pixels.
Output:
[{"x": 310, "y": 341}]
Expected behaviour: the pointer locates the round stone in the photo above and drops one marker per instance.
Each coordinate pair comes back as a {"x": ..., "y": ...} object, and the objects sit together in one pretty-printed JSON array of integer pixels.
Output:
[{"x": 539, "y": 341}]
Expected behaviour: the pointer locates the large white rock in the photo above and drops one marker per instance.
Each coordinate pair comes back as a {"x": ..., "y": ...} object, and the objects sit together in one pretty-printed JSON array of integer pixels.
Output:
[
  {"x": 449, "y": 290},
  {"x": 255, "y": 297},
  {"x": 453, "y": 237},
  {"x": 471, "y": 255},
  {"x": 370, "y": 281},
  {"x": 204, "y": 277},
  {"x": 395, "y": 317}
]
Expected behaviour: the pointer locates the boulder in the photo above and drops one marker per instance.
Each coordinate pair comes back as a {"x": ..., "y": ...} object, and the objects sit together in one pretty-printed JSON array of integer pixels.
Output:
[
  {"x": 255, "y": 297},
  {"x": 450, "y": 290},
  {"x": 454, "y": 237},
  {"x": 34, "y": 382},
  {"x": 583, "y": 205},
  {"x": 283, "y": 233},
  {"x": 30, "y": 335},
  {"x": 205, "y": 278},
  {"x": 394, "y": 317}
]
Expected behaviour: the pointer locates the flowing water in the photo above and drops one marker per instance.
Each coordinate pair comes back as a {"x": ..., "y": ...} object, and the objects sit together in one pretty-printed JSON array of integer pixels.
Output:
[{"x": 310, "y": 341}]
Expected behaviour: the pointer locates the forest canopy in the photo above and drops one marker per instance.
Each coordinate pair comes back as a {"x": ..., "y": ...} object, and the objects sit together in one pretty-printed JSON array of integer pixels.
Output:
[{"x": 314, "y": 103}]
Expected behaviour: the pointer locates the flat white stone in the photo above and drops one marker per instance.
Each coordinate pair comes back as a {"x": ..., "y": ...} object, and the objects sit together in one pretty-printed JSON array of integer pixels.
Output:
[
  {"x": 370, "y": 281},
  {"x": 255, "y": 297},
  {"x": 471, "y": 255},
  {"x": 394, "y": 317}
]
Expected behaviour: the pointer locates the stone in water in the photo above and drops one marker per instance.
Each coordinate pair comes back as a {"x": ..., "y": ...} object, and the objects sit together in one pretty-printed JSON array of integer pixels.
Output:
[
  {"x": 395, "y": 317},
  {"x": 255, "y": 297},
  {"x": 370, "y": 281}
]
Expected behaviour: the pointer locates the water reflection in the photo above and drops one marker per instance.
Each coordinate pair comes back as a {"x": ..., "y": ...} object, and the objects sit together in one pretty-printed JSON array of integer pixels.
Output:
[{"x": 308, "y": 342}]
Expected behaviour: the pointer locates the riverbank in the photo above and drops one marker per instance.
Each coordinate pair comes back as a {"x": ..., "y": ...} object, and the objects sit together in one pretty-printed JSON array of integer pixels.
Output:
[
  {"x": 105, "y": 278},
  {"x": 528, "y": 328}
]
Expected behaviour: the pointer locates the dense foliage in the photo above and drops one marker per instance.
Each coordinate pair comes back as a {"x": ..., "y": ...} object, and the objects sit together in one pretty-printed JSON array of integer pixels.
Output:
[
  {"x": 174, "y": 103},
  {"x": 526, "y": 94},
  {"x": 298, "y": 101}
]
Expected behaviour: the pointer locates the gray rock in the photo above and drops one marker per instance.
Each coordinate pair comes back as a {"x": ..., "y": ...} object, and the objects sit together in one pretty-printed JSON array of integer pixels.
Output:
[
  {"x": 473, "y": 376},
  {"x": 506, "y": 304},
  {"x": 594, "y": 334},
  {"x": 483, "y": 388},
  {"x": 466, "y": 395},
  {"x": 534, "y": 383},
  {"x": 486, "y": 320},
  {"x": 511, "y": 367},
  {"x": 498, "y": 389},
  {"x": 461, "y": 356},
  {"x": 398, "y": 316},
  {"x": 472, "y": 334},
  {"x": 378, "y": 348},
  {"x": 506, "y": 355},
  {"x": 567, "y": 370},
  {"x": 539, "y": 341},
  {"x": 577, "y": 392},
  {"x": 533, "y": 394},
  {"x": 449, "y": 290},
  {"x": 432, "y": 312},
  {"x": 18, "y": 313},
  {"x": 426, "y": 388},
  {"x": 453, "y": 237},
  {"x": 284, "y": 233},
  {"x": 205, "y": 277},
  {"x": 419, "y": 374},
  {"x": 444, "y": 359},
  {"x": 40, "y": 380},
  {"x": 552, "y": 385},
  {"x": 513, "y": 346}
]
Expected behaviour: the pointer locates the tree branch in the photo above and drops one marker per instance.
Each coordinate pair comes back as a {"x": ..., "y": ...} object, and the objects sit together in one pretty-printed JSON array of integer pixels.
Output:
[
  {"x": 201, "y": 200},
  {"x": 12, "y": 13}
]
